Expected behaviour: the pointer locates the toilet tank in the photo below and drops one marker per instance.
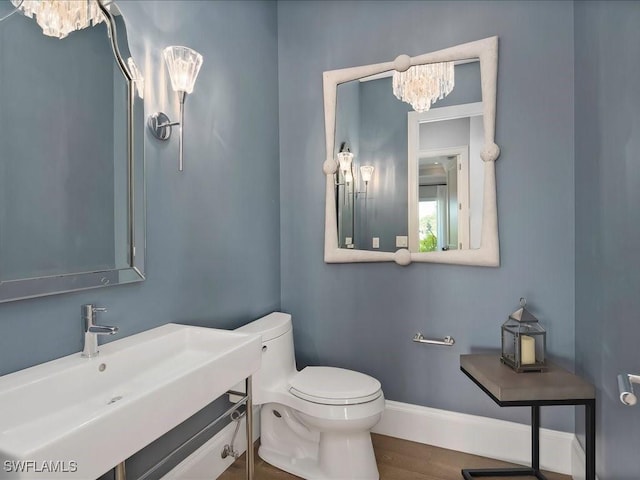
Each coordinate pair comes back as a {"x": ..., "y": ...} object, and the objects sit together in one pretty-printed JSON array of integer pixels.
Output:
[{"x": 278, "y": 359}]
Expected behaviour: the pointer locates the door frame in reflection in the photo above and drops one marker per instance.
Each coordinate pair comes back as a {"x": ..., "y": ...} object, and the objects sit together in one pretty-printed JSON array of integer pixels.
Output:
[{"x": 414, "y": 154}]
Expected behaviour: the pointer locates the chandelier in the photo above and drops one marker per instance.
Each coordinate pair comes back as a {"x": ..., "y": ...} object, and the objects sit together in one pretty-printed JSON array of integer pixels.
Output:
[
  {"x": 58, "y": 18},
  {"x": 422, "y": 85}
]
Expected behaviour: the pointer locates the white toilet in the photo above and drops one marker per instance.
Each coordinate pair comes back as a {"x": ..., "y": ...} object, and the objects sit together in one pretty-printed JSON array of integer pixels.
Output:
[{"x": 314, "y": 423}]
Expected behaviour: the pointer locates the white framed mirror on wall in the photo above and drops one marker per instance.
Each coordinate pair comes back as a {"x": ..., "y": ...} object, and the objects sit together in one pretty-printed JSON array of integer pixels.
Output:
[{"x": 410, "y": 173}]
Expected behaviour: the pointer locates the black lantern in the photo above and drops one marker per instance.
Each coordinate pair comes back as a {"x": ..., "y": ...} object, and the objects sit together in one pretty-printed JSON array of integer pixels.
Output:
[{"x": 524, "y": 341}]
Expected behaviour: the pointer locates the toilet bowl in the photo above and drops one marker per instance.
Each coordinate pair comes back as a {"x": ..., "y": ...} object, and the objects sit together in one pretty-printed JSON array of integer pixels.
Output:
[{"x": 314, "y": 423}]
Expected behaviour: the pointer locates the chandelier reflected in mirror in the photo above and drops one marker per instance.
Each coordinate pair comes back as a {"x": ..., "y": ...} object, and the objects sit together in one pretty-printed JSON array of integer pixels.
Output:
[
  {"x": 58, "y": 18},
  {"x": 421, "y": 85}
]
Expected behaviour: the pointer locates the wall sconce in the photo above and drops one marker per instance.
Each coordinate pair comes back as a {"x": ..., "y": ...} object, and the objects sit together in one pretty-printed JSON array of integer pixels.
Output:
[{"x": 183, "y": 64}]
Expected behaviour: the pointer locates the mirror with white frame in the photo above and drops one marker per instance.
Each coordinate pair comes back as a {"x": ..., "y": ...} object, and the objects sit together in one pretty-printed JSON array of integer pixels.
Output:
[
  {"x": 72, "y": 214},
  {"x": 420, "y": 183}
]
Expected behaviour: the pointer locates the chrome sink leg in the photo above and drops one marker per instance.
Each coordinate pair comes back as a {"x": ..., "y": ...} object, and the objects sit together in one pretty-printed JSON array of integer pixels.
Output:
[
  {"x": 120, "y": 472},
  {"x": 249, "y": 407}
]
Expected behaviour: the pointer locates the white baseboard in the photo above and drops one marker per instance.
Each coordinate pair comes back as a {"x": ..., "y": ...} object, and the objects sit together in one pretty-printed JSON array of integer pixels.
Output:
[
  {"x": 578, "y": 460},
  {"x": 488, "y": 437},
  {"x": 509, "y": 441},
  {"x": 206, "y": 463}
]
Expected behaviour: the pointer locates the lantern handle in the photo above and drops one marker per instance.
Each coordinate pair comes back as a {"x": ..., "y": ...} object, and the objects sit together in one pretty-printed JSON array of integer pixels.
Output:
[{"x": 523, "y": 302}]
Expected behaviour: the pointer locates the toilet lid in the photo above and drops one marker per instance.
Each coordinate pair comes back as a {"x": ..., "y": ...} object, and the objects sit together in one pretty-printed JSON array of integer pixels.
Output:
[{"x": 334, "y": 386}]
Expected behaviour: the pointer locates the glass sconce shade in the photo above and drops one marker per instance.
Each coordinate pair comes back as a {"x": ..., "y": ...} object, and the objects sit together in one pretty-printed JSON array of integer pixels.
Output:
[
  {"x": 366, "y": 172},
  {"x": 524, "y": 342},
  {"x": 345, "y": 159},
  {"x": 184, "y": 65}
]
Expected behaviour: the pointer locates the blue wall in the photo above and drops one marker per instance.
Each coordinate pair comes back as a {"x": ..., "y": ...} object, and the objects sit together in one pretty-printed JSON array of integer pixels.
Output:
[
  {"x": 254, "y": 153},
  {"x": 213, "y": 239},
  {"x": 607, "y": 175},
  {"x": 363, "y": 316}
]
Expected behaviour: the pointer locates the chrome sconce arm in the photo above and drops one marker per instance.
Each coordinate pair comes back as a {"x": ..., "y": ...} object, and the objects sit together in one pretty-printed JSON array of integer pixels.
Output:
[
  {"x": 184, "y": 65},
  {"x": 625, "y": 387}
]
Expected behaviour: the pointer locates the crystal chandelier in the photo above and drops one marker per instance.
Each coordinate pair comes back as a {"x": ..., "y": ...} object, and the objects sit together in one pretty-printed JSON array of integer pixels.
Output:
[
  {"x": 422, "y": 85},
  {"x": 58, "y": 18}
]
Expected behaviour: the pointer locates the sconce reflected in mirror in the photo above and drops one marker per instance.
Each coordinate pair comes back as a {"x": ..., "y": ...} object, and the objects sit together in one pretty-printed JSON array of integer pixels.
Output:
[
  {"x": 184, "y": 65},
  {"x": 345, "y": 158},
  {"x": 366, "y": 172},
  {"x": 345, "y": 165},
  {"x": 345, "y": 161}
]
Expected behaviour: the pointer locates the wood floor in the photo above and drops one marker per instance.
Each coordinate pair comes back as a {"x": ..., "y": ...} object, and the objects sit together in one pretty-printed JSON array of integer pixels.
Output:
[{"x": 397, "y": 460}]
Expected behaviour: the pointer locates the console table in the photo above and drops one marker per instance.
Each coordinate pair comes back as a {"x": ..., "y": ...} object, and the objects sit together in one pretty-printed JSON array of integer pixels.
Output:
[{"x": 555, "y": 386}]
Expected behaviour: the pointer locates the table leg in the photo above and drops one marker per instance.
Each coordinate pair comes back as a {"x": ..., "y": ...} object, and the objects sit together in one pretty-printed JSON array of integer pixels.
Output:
[
  {"x": 535, "y": 437},
  {"x": 534, "y": 471},
  {"x": 590, "y": 439}
]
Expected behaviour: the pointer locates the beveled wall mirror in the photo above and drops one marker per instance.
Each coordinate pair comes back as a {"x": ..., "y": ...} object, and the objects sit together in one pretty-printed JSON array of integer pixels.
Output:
[
  {"x": 71, "y": 155},
  {"x": 409, "y": 186}
]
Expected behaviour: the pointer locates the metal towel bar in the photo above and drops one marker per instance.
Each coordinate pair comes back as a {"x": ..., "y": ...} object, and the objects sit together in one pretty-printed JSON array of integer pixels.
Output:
[{"x": 446, "y": 341}]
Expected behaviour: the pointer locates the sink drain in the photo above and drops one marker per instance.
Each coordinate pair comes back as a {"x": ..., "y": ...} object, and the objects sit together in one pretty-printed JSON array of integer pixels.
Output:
[{"x": 114, "y": 399}]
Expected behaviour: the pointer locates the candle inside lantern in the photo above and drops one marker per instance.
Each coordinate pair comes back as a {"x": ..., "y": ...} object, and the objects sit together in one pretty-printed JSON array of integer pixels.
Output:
[{"x": 527, "y": 350}]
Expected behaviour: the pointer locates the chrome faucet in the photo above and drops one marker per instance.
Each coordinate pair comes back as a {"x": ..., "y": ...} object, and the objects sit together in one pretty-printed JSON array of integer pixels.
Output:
[{"x": 91, "y": 330}]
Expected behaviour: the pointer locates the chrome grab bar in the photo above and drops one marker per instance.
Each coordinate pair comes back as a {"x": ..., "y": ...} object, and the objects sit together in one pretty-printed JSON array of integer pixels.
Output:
[
  {"x": 625, "y": 387},
  {"x": 446, "y": 341}
]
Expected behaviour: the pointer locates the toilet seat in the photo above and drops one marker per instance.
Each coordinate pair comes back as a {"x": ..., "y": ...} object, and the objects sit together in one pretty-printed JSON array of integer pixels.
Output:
[{"x": 334, "y": 386}]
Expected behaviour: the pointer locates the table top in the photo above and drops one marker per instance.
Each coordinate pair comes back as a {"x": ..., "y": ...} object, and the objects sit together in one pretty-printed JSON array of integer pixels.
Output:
[{"x": 506, "y": 385}]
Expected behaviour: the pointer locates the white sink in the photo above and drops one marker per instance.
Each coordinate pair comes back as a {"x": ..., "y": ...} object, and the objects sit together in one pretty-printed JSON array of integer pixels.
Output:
[{"x": 82, "y": 416}]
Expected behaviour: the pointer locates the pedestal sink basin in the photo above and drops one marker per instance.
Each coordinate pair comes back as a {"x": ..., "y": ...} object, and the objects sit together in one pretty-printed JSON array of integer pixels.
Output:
[{"x": 79, "y": 417}]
